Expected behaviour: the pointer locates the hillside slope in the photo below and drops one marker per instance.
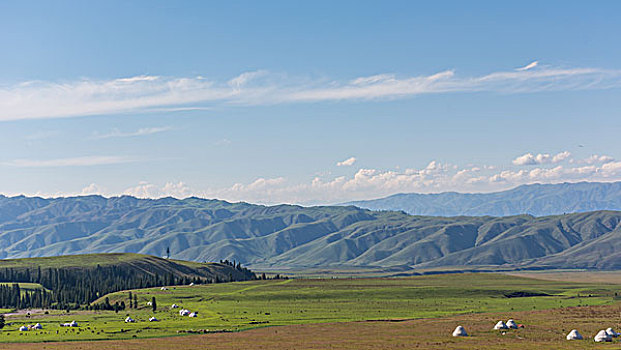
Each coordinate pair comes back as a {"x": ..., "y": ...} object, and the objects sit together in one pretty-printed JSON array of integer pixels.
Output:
[
  {"x": 287, "y": 236},
  {"x": 536, "y": 199}
]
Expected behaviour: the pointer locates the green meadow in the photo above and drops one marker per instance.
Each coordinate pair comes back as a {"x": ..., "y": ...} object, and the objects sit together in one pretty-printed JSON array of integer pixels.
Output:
[{"x": 244, "y": 305}]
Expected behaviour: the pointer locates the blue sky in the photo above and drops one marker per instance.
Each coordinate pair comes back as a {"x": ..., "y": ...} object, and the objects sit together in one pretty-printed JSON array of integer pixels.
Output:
[{"x": 306, "y": 102}]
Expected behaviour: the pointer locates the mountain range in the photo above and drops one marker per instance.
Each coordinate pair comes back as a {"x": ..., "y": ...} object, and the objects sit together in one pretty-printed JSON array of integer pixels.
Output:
[
  {"x": 535, "y": 199},
  {"x": 289, "y": 236}
]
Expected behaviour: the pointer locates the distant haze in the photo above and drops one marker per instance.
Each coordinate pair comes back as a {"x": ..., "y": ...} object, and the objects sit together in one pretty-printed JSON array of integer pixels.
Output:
[{"x": 537, "y": 200}]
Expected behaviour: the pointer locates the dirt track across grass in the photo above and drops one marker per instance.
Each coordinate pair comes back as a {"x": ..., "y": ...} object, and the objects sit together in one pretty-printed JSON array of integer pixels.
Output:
[{"x": 544, "y": 330}]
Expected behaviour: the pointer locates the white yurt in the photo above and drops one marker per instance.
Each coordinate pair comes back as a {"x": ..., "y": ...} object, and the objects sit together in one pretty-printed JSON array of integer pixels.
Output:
[
  {"x": 500, "y": 325},
  {"x": 73, "y": 324},
  {"x": 174, "y": 306},
  {"x": 602, "y": 336},
  {"x": 193, "y": 314},
  {"x": 574, "y": 335},
  {"x": 512, "y": 324},
  {"x": 129, "y": 320},
  {"x": 611, "y": 332},
  {"x": 153, "y": 319},
  {"x": 163, "y": 288},
  {"x": 460, "y": 332},
  {"x": 149, "y": 303},
  {"x": 23, "y": 329},
  {"x": 37, "y": 326},
  {"x": 191, "y": 284},
  {"x": 184, "y": 312}
]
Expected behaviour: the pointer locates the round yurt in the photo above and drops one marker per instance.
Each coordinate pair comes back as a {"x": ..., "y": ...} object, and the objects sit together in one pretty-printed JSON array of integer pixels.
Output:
[
  {"x": 611, "y": 332},
  {"x": 500, "y": 325},
  {"x": 512, "y": 324},
  {"x": 602, "y": 336},
  {"x": 574, "y": 335},
  {"x": 460, "y": 332}
]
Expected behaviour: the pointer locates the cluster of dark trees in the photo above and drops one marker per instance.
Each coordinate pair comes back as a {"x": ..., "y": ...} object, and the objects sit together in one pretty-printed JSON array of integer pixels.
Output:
[
  {"x": 11, "y": 296},
  {"x": 237, "y": 266},
  {"x": 72, "y": 288}
]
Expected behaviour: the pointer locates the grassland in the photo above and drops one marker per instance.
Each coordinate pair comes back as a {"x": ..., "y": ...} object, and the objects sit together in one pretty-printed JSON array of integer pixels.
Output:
[
  {"x": 544, "y": 330},
  {"x": 582, "y": 276},
  {"x": 246, "y": 305}
]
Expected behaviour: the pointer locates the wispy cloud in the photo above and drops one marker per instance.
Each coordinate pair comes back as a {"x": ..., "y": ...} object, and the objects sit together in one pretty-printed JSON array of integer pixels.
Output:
[
  {"x": 347, "y": 162},
  {"x": 67, "y": 162},
  {"x": 45, "y": 99},
  {"x": 528, "y": 66},
  {"x": 139, "y": 132}
]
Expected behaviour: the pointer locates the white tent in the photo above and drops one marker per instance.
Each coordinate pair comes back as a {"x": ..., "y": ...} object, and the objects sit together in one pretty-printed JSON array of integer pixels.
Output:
[
  {"x": 23, "y": 329},
  {"x": 184, "y": 312},
  {"x": 129, "y": 320},
  {"x": 174, "y": 306},
  {"x": 191, "y": 284},
  {"x": 512, "y": 324},
  {"x": 193, "y": 314},
  {"x": 460, "y": 332},
  {"x": 163, "y": 288},
  {"x": 37, "y": 326},
  {"x": 611, "y": 332},
  {"x": 574, "y": 335},
  {"x": 500, "y": 325},
  {"x": 73, "y": 324},
  {"x": 153, "y": 319},
  {"x": 602, "y": 336},
  {"x": 149, "y": 303}
]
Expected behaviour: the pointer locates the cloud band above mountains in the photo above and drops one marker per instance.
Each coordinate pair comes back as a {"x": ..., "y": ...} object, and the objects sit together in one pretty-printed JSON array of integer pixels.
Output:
[{"x": 45, "y": 99}]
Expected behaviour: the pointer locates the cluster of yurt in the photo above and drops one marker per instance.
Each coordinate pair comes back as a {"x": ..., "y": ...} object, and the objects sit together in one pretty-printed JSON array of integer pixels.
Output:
[
  {"x": 70, "y": 324},
  {"x": 186, "y": 312},
  {"x": 605, "y": 335},
  {"x": 30, "y": 327}
]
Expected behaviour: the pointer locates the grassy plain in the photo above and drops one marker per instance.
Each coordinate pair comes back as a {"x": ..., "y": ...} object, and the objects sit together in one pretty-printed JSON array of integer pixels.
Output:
[
  {"x": 246, "y": 305},
  {"x": 544, "y": 330}
]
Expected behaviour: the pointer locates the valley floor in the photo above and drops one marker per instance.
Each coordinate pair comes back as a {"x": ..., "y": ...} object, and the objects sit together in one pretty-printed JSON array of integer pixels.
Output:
[
  {"x": 544, "y": 330},
  {"x": 373, "y": 313}
]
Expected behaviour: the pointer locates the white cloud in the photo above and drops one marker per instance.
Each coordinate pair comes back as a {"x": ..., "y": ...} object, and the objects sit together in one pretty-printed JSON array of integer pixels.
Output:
[
  {"x": 531, "y": 159},
  {"x": 45, "y": 99},
  {"x": 347, "y": 162},
  {"x": 149, "y": 190},
  {"x": 594, "y": 159},
  {"x": 67, "y": 162},
  {"x": 561, "y": 157},
  {"x": 139, "y": 132},
  {"x": 528, "y": 66},
  {"x": 373, "y": 183},
  {"x": 92, "y": 189}
]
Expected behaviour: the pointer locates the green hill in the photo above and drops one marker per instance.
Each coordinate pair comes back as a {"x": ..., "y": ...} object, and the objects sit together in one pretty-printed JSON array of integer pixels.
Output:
[
  {"x": 288, "y": 236},
  {"x": 73, "y": 281}
]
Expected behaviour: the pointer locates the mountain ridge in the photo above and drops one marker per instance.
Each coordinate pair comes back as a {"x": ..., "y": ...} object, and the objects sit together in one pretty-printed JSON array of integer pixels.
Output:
[
  {"x": 289, "y": 236},
  {"x": 534, "y": 199}
]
